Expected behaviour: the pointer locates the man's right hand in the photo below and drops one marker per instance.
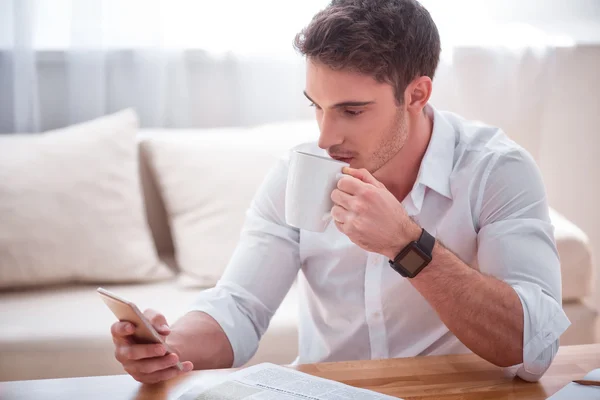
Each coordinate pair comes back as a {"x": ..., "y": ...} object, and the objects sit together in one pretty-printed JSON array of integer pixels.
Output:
[{"x": 146, "y": 363}]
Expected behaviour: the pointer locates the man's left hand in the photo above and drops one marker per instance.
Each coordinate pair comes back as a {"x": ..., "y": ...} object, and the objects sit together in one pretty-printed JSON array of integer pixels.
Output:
[{"x": 370, "y": 215}]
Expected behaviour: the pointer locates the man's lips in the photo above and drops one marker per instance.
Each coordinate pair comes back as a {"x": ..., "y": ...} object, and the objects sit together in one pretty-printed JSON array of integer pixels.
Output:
[{"x": 344, "y": 159}]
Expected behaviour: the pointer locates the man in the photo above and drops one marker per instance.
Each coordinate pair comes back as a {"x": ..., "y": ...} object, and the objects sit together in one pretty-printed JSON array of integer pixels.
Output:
[{"x": 488, "y": 283}]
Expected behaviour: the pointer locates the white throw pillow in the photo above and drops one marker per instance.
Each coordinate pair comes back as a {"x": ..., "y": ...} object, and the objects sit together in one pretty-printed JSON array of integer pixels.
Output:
[
  {"x": 71, "y": 208},
  {"x": 207, "y": 180}
]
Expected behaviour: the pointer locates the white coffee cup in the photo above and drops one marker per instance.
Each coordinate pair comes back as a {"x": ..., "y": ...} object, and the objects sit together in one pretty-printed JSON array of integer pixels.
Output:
[{"x": 311, "y": 180}]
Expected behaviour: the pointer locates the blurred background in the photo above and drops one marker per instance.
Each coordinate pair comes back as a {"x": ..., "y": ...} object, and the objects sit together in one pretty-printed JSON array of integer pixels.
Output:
[
  {"x": 186, "y": 63},
  {"x": 202, "y": 76}
]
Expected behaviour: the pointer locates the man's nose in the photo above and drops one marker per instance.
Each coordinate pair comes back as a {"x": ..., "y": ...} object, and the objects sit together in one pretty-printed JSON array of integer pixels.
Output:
[{"x": 330, "y": 134}]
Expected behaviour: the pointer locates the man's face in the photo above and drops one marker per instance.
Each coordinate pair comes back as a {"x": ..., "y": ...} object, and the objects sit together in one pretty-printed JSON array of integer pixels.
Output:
[{"x": 359, "y": 119}]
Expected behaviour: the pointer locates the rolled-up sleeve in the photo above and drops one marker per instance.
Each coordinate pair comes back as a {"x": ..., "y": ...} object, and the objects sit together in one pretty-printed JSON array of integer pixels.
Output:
[
  {"x": 260, "y": 271},
  {"x": 516, "y": 244}
]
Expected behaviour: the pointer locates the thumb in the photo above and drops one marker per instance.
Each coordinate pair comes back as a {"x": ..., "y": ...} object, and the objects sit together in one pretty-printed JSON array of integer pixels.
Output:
[
  {"x": 159, "y": 322},
  {"x": 363, "y": 175},
  {"x": 163, "y": 329}
]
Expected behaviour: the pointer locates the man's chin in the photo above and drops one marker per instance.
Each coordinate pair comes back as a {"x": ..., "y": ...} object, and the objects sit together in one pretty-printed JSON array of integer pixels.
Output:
[{"x": 356, "y": 164}]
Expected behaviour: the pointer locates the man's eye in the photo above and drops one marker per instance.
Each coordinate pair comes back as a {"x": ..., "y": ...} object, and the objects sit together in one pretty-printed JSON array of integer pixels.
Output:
[{"x": 352, "y": 113}]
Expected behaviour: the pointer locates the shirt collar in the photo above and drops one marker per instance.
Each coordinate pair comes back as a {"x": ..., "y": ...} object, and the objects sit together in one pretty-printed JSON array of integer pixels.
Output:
[{"x": 438, "y": 161}]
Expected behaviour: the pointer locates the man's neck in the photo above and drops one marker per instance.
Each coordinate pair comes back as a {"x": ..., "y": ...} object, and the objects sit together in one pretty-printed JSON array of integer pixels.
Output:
[{"x": 400, "y": 173}]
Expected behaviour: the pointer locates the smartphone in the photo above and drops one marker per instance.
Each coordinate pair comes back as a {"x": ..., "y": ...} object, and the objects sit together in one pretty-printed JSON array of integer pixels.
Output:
[{"x": 125, "y": 310}]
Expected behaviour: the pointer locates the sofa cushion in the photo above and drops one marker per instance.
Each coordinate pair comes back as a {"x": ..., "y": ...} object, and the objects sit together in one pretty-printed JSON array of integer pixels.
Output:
[
  {"x": 153, "y": 200},
  {"x": 65, "y": 331},
  {"x": 207, "y": 180},
  {"x": 575, "y": 258},
  {"x": 71, "y": 207}
]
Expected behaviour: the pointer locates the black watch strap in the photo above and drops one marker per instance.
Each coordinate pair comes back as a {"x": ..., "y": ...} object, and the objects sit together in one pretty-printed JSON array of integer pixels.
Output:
[{"x": 426, "y": 242}]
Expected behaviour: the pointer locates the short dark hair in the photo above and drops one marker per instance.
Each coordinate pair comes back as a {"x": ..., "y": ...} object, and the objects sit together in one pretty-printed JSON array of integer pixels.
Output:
[{"x": 393, "y": 41}]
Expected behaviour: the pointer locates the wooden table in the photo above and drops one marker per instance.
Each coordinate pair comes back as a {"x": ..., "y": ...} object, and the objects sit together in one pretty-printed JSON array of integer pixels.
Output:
[{"x": 454, "y": 377}]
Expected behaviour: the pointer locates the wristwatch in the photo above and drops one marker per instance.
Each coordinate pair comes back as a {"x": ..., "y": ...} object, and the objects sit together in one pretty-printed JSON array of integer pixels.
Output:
[{"x": 415, "y": 256}]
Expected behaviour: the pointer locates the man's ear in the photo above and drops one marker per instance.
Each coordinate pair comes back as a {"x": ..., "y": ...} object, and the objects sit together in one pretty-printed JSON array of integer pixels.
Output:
[{"x": 417, "y": 94}]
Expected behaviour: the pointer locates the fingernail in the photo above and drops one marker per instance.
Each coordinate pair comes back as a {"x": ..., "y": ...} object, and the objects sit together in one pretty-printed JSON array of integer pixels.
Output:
[
  {"x": 159, "y": 350},
  {"x": 164, "y": 327},
  {"x": 129, "y": 328},
  {"x": 187, "y": 367}
]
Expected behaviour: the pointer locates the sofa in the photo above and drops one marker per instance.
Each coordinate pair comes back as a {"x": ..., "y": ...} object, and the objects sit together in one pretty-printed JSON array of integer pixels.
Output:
[{"x": 195, "y": 186}]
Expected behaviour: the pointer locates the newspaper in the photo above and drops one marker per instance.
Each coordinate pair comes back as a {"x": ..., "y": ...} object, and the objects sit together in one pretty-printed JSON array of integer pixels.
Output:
[{"x": 272, "y": 382}]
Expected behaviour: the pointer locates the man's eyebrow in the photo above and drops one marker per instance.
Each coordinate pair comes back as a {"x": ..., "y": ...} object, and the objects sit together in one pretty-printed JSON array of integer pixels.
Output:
[{"x": 344, "y": 103}]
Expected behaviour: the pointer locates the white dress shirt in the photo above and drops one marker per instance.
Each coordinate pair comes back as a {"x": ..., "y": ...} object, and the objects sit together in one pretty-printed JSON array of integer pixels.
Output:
[{"x": 477, "y": 192}]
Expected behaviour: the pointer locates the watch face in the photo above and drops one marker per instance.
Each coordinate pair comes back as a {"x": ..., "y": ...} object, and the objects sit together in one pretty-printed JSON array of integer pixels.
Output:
[{"x": 412, "y": 261}]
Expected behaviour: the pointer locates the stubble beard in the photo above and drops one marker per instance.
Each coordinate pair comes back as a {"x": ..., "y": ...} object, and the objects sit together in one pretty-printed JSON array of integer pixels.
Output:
[{"x": 391, "y": 143}]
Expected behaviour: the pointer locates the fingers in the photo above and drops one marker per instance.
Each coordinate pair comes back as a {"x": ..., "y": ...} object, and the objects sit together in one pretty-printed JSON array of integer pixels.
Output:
[
  {"x": 363, "y": 175},
  {"x": 351, "y": 185},
  {"x": 121, "y": 332},
  {"x": 339, "y": 214},
  {"x": 354, "y": 205},
  {"x": 342, "y": 199},
  {"x": 158, "y": 321},
  {"x": 122, "y": 329},
  {"x": 147, "y": 363},
  {"x": 133, "y": 352},
  {"x": 154, "y": 369},
  {"x": 150, "y": 365},
  {"x": 163, "y": 375}
]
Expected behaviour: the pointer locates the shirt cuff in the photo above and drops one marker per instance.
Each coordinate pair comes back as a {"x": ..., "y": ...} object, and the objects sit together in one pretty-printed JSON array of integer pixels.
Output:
[
  {"x": 544, "y": 322},
  {"x": 544, "y": 360},
  {"x": 219, "y": 303}
]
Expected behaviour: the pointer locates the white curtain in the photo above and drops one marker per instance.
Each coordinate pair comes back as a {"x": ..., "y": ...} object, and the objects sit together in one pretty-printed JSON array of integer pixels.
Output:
[
  {"x": 200, "y": 63},
  {"x": 178, "y": 63}
]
